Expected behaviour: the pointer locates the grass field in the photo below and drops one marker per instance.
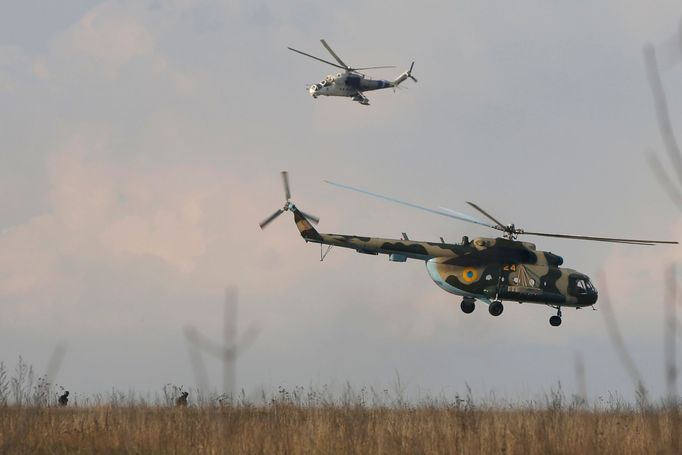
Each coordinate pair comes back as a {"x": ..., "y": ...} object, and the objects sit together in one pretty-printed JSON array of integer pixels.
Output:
[{"x": 284, "y": 428}]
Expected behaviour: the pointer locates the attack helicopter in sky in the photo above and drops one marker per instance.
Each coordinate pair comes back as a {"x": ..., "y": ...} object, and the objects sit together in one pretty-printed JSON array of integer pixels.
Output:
[
  {"x": 490, "y": 270},
  {"x": 351, "y": 82}
]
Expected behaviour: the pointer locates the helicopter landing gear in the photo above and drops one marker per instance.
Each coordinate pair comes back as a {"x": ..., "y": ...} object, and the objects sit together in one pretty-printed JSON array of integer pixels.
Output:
[
  {"x": 496, "y": 308},
  {"x": 468, "y": 305},
  {"x": 555, "y": 321}
]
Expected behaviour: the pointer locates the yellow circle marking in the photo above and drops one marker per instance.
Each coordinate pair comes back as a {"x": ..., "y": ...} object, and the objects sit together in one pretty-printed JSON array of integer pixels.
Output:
[{"x": 469, "y": 275}]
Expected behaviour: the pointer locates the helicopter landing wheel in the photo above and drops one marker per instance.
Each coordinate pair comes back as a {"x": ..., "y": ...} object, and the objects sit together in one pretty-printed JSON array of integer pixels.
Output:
[
  {"x": 555, "y": 321},
  {"x": 468, "y": 305},
  {"x": 496, "y": 308}
]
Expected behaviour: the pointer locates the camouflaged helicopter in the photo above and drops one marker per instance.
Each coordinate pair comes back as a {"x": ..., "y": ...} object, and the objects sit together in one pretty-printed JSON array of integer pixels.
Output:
[
  {"x": 487, "y": 269},
  {"x": 351, "y": 83}
]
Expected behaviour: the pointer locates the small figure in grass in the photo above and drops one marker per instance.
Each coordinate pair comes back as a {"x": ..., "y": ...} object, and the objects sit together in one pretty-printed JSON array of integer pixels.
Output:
[
  {"x": 64, "y": 398},
  {"x": 182, "y": 399}
]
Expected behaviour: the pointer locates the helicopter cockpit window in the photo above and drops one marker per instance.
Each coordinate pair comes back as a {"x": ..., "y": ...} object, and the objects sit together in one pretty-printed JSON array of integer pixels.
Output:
[{"x": 580, "y": 286}]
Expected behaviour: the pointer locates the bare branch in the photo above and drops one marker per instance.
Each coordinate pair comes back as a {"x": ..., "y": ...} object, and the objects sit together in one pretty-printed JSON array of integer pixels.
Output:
[
  {"x": 662, "y": 113},
  {"x": 665, "y": 181},
  {"x": 670, "y": 325}
]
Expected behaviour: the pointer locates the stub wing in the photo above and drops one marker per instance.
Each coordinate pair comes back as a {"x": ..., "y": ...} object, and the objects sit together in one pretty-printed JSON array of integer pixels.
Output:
[{"x": 361, "y": 98}]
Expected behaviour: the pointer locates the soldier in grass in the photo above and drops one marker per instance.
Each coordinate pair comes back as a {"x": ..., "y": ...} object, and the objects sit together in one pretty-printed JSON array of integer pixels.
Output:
[
  {"x": 182, "y": 399},
  {"x": 64, "y": 398}
]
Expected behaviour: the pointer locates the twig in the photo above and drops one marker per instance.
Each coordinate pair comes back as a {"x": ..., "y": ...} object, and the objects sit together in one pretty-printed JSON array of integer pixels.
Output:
[
  {"x": 662, "y": 114},
  {"x": 663, "y": 179},
  {"x": 670, "y": 325},
  {"x": 580, "y": 377}
]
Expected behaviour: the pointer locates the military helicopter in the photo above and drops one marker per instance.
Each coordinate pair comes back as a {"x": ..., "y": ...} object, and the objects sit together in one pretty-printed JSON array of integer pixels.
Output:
[
  {"x": 351, "y": 82},
  {"x": 487, "y": 269}
]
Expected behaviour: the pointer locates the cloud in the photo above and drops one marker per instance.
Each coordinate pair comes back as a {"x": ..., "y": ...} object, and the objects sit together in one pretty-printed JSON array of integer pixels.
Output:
[
  {"x": 12, "y": 64},
  {"x": 109, "y": 225},
  {"x": 110, "y": 34}
]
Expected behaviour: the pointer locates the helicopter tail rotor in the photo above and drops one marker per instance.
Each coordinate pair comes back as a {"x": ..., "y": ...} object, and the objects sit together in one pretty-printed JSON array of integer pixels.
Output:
[
  {"x": 288, "y": 206},
  {"x": 407, "y": 74}
]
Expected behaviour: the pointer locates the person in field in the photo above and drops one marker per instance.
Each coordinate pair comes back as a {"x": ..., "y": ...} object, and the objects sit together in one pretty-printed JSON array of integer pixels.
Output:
[
  {"x": 64, "y": 398},
  {"x": 182, "y": 399}
]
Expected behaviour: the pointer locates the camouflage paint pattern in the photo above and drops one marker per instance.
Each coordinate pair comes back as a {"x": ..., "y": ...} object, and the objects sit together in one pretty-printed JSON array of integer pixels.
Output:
[{"x": 485, "y": 268}]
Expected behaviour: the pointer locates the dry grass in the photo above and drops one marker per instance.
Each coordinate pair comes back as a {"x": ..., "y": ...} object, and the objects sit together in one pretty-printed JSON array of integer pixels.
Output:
[{"x": 291, "y": 429}]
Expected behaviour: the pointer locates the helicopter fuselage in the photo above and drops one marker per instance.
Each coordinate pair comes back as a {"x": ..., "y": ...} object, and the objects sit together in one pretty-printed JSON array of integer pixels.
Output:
[
  {"x": 514, "y": 281},
  {"x": 347, "y": 84}
]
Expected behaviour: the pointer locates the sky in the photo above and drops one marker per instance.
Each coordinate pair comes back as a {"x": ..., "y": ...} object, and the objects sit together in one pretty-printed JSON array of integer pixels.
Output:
[{"x": 141, "y": 144}]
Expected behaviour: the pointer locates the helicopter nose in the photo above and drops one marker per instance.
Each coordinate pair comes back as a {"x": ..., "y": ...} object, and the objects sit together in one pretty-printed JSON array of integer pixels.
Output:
[
  {"x": 313, "y": 90},
  {"x": 589, "y": 298}
]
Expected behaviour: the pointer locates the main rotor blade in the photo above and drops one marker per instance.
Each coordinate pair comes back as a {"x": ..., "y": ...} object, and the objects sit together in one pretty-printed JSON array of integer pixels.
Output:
[
  {"x": 287, "y": 190},
  {"x": 450, "y": 214},
  {"x": 464, "y": 216},
  {"x": 271, "y": 218},
  {"x": 603, "y": 239},
  {"x": 489, "y": 216},
  {"x": 336, "y": 57},
  {"x": 317, "y": 58},
  {"x": 372, "y": 68},
  {"x": 312, "y": 218}
]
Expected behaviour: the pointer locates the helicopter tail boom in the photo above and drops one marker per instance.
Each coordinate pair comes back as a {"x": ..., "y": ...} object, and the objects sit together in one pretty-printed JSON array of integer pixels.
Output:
[
  {"x": 407, "y": 74},
  {"x": 304, "y": 226}
]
